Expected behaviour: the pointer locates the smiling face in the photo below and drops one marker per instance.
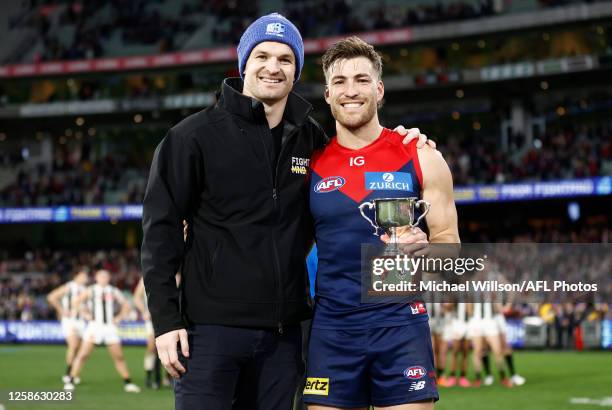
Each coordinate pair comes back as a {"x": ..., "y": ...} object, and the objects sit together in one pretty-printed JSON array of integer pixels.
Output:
[
  {"x": 269, "y": 72},
  {"x": 353, "y": 92}
]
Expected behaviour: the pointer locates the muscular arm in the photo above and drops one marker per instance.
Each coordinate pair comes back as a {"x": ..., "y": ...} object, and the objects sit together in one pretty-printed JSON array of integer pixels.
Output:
[
  {"x": 438, "y": 191},
  {"x": 79, "y": 305},
  {"x": 54, "y": 299},
  {"x": 138, "y": 297},
  {"x": 125, "y": 307}
]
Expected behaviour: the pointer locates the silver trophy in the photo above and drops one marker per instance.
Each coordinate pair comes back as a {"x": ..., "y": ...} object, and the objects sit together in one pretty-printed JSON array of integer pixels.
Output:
[{"x": 391, "y": 213}]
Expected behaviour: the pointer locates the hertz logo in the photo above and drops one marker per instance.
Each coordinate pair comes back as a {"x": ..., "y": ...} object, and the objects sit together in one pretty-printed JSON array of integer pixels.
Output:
[{"x": 317, "y": 386}]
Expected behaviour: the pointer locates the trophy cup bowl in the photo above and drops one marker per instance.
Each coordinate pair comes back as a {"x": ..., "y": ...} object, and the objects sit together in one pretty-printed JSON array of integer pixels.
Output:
[{"x": 391, "y": 213}]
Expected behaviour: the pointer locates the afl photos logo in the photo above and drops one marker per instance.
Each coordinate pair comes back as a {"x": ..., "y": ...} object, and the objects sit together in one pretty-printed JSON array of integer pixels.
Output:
[{"x": 329, "y": 184}]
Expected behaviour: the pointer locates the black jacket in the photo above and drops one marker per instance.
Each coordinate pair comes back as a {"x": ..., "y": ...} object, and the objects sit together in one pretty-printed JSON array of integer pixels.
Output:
[{"x": 244, "y": 262}]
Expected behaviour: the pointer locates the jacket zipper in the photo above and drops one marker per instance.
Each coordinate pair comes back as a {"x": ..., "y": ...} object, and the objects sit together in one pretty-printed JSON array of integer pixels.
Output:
[
  {"x": 275, "y": 198},
  {"x": 274, "y": 182}
]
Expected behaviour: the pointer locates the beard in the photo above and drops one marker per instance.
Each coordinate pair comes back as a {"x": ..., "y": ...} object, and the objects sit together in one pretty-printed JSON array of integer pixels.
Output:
[{"x": 355, "y": 120}]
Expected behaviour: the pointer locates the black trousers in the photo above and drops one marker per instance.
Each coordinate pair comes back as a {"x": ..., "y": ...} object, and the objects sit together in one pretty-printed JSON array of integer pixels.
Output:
[{"x": 240, "y": 368}]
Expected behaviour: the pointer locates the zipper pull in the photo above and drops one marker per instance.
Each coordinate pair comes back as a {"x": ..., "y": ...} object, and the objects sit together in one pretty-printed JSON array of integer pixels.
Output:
[
  {"x": 274, "y": 195},
  {"x": 280, "y": 328}
]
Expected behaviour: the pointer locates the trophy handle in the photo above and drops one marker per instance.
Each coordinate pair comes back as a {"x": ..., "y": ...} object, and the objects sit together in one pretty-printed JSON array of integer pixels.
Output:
[
  {"x": 370, "y": 205},
  {"x": 421, "y": 203}
]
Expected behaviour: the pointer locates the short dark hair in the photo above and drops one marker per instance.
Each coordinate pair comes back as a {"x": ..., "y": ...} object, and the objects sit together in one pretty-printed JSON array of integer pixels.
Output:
[
  {"x": 351, "y": 47},
  {"x": 79, "y": 269}
]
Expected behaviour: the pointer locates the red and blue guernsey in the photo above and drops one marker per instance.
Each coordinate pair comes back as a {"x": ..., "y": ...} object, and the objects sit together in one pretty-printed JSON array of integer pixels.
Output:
[{"x": 341, "y": 180}]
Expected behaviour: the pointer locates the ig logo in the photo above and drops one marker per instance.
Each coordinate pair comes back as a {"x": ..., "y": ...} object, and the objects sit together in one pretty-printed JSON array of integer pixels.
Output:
[{"x": 356, "y": 161}]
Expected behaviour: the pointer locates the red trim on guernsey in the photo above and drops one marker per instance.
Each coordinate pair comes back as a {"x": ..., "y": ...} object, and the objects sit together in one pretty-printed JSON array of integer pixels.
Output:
[
  {"x": 385, "y": 154},
  {"x": 415, "y": 161}
]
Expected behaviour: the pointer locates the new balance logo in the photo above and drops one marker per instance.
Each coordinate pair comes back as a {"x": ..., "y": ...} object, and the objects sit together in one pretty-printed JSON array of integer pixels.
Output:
[{"x": 417, "y": 386}]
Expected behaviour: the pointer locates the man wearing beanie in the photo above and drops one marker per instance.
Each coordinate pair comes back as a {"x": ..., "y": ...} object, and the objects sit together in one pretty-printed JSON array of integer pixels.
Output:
[{"x": 236, "y": 172}]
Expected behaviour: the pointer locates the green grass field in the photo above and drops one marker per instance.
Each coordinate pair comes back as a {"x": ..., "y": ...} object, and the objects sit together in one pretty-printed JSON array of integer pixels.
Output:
[{"x": 553, "y": 378}]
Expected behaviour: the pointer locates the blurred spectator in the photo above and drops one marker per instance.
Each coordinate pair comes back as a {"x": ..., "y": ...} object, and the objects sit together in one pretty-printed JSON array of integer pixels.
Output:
[
  {"x": 141, "y": 22},
  {"x": 75, "y": 178},
  {"x": 573, "y": 151},
  {"x": 25, "y": 283},
  {"x": 78, "y": 177}
]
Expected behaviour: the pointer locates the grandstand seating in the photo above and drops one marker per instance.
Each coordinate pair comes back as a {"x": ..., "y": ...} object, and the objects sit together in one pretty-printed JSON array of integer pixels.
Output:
[{"x": 58, "y": 29}]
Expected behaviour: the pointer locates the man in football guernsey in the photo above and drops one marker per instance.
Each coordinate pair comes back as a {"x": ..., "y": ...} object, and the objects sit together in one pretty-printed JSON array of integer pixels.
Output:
[
  {"x": 483, "y": 332},
  {"x": 363, "y": 354},
  {"x": 100, "y": 300},
  {"x": 500, "y": 320},
  {"x": 73, "y": 324},
  {"x": 456, "y": 334},
  {"x": 439, "y": 318}
]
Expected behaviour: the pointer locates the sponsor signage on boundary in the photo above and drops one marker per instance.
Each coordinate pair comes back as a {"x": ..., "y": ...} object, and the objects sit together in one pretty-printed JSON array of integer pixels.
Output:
[
  {"x": 463, "y": 195},
  {"x": 134, "y": 333},
  {"x": 50, "y": 332}
]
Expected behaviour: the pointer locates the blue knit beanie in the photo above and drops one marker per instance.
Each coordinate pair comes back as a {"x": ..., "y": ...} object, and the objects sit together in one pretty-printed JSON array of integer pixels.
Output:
[{"x": 272, "y": 27}]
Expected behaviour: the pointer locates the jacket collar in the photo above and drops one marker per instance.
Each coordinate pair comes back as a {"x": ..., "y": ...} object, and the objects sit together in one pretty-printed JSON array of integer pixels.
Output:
[{"x": 232, "y": 100}]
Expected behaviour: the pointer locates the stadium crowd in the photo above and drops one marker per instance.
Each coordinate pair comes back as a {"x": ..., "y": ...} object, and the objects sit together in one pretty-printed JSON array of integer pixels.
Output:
[
  {"x": 143, "y": 22},
  {"x": 25, "y": 282},
  {"x": 575, "y": 151},
  {"x": 138, "y": 24},
  {"x": 317, "y": 18},
  {"x": 78, "y": 175}
]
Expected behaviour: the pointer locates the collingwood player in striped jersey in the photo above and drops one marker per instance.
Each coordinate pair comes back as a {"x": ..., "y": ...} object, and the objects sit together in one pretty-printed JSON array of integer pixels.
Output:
[
  {"x": 101, "y": 300},
  {"x": 483, "y": 329},
  {"x": 500, "y": 320},
  {"x": 438, "y": 320},
  {"x": 455, "y": 333},
  {"x": 73, "y": 325}
]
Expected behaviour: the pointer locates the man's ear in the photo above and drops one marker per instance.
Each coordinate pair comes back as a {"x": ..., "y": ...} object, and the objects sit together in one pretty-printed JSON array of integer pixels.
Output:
[
  {"x": 326, "y": 94},
  {"x": 380, "y": 91}
]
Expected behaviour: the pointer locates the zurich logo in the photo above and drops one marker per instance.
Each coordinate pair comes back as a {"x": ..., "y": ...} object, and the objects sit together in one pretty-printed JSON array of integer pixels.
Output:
[
  {"x": 276, "y": 29},
  {"x": 388, "y": 181},
  {"x": 60, "y": 214},
  {"x": 329, "y": 184},
  {"x": 604, "y": 187},
  {"x": 388, "y": 177}
]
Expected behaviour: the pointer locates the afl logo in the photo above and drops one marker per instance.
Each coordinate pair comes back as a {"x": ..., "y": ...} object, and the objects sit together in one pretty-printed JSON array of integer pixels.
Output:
[
  {"x": 329, "y": 184},
  {"x": 415, "y": 372}
]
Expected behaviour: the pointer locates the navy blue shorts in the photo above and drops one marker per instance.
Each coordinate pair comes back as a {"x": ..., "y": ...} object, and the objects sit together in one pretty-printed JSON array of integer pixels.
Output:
[{"x": 381, "y": 367}]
